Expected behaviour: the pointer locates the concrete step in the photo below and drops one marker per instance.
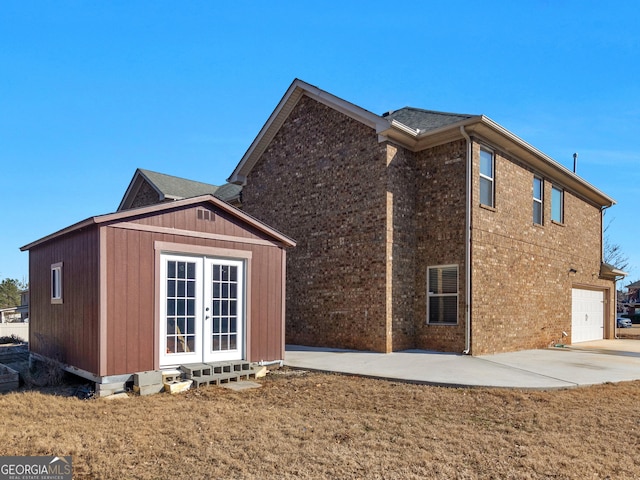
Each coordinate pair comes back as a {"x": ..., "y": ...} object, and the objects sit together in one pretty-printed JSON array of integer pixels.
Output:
[
  {"x": 215, "y": 379},
  {"x": 216, "y": 373}
]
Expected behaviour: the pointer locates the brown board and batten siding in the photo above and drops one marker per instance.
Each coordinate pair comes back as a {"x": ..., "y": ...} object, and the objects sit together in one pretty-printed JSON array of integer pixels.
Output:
[
  {"x": 67, "y": 331},
  {"x": 109, "y": 320},
  {"x": 132, "y": 287}
]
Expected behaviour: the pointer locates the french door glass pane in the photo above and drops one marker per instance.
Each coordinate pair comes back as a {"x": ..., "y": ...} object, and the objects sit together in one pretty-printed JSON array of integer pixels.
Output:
[{"x": 180, "y": 311}]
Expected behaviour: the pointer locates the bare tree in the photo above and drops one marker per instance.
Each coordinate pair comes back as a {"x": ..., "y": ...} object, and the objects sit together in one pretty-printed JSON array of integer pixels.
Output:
[{"x": 613, "y": 254}]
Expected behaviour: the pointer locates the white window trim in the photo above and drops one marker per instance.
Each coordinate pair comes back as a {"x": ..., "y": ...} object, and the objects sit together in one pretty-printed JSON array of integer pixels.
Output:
[
  {"x": 56, "y": 283},
  {"x": 431, "y": 295},
  {"x": 539, "y": 200},
  {"x": 492, "y": 178}
]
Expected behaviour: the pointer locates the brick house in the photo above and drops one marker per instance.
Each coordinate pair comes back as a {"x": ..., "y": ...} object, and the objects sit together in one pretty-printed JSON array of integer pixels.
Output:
[
  {"x": 149, "y": 188},
  {"x": 423, "y": 229}
]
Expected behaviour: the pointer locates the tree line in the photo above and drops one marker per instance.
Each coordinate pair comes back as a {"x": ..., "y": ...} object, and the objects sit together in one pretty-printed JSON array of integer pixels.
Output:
[{"x": 10, "y": 289}]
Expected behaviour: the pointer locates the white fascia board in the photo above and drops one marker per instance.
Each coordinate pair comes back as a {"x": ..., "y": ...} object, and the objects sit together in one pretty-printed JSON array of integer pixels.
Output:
[
  {"x": 266, "y": 133},
  {"x": 415, "y": 141},
  {"x": 404, "y": 128},
  {"x": 293, "y": 94},
  {"x": 546, "y": 164},
  {"x": 357, "y": 113}
]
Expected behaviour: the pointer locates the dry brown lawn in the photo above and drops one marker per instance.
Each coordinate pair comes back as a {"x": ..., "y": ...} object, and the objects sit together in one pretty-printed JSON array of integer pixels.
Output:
[{"x": 313, "y": 425}]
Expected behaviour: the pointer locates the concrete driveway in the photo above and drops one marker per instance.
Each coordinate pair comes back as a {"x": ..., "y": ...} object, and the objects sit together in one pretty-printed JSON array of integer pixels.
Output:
[{"x": 586, "y": 363}]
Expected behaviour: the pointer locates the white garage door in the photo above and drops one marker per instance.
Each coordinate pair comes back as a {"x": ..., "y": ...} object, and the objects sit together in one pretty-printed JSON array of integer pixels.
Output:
[{"x": 587, "y": 322}]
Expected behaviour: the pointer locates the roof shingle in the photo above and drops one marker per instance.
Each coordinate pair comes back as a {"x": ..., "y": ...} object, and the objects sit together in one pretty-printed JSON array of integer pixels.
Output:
[{"x": 424, "y": 120}]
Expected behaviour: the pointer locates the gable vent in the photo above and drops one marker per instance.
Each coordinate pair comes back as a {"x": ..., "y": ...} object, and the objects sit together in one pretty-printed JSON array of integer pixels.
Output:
[{"x": 207, "y": 215}]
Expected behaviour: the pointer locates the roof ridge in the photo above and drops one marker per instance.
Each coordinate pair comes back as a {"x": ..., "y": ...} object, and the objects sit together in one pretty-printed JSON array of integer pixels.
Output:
[{"x": 146, "y": 171}]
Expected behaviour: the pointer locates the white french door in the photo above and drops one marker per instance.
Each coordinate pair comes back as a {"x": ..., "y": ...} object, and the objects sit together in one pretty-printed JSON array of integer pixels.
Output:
[
  {"x": 224, "y": 310},
  {"x": 201, "y": 309}
]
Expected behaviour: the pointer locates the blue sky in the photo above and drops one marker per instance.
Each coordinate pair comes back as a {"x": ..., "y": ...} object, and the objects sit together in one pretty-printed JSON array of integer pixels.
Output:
[{"x": 89, "y": 91}]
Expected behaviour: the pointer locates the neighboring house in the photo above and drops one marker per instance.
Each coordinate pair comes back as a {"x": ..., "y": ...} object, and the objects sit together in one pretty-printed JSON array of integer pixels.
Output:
[
  {"x": 191, "y": 281},
  {"x": 632, "y": 299},
  {"x": 23, "y": 308},
  {"x": 14, "y": 320},
  {"x": 423, "y": 229},
  {"x": 9, "y": 314},
  {"x": 149, "y": 188}
]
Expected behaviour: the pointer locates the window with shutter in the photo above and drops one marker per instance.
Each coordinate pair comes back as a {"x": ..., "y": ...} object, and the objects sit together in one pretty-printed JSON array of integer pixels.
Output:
[{"x": 442, "y": 294}]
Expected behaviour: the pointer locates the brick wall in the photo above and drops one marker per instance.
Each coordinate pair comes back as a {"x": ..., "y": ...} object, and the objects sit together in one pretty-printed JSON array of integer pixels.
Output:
[
  {"x": 440, "y": 224},
  {"x": 371, "y": 217},
  {"x": 322, "y": 181},
  {"x": 401, "y": 248},
  {"x": 145, "y": 195},
  {"x": 521, "y": 280}
]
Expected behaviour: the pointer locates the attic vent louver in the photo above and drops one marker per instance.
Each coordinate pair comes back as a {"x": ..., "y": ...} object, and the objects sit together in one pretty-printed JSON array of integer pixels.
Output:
[{"x": 207, "y": 215}]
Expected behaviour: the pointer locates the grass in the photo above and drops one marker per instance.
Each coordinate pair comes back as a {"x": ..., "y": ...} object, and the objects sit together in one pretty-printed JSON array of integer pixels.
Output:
[{"x": 312, "y": 425}]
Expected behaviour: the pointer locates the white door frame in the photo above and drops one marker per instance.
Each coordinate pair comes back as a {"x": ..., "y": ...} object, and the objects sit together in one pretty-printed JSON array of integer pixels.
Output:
[
  {"x": 183, "y": 305},
  {"x": 190, "y": 338},
  {"x": 223, "y": 333}
]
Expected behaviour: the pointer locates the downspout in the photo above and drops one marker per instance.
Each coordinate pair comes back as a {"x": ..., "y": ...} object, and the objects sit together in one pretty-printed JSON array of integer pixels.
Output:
[
  {"x": 467, "y": 252},
  {"x": 615, "y": 280},
  {"x": 602, "y": 212},
  {"x": 615, "y": 308}
]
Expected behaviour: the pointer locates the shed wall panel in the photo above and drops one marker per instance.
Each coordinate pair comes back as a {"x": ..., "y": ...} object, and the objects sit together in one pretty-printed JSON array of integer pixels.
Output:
[
  {"x": 186, "y": 218},
  {"x": 69, "y": 331},
  {"x": 132, "y": 299}
]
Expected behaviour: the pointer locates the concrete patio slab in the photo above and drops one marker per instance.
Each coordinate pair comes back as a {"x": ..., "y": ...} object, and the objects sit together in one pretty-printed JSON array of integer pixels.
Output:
[{"x": 530, "y": 369}]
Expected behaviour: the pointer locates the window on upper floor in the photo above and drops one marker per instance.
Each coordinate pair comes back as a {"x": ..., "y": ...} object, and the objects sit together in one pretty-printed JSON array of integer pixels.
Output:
[
  {"x": 442, "y": 295},
  {"x": 56, "y": 283},
  {"x": 537, "y": 200},
  {"x": 487, "y": 170},
  {"x": 557, "y": 204}
]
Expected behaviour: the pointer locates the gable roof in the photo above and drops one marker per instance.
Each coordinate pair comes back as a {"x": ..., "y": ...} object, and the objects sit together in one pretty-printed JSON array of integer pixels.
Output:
[
  {"x": 294, "y": 93},
  {"x": 170, "y": 187},
  {"x": 416, "y": 129},
  {"x": 124, "y": 215}
]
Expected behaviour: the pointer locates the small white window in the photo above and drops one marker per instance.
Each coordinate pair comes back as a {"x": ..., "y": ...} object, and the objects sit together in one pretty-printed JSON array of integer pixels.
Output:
[
  {"x": 442, "y": 295},
  {"x": 557, "y": 204},
  {"x": 537, "y": 201},
  {"x": 487, "y": 168},
  {"x": 56, "y": 283}
]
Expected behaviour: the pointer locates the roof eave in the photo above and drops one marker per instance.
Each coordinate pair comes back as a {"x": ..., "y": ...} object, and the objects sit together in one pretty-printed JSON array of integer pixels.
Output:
[
  {"x": 511, "y": 143},
  {"x": 71, "y": 228},
  {"x": 124, "y": 203},
  {"x": 415, "y": 140},
  {"x": 496, "y": 134},
  {"x": 119, "y": 216},
  {"x": 608, "y": 270}
]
